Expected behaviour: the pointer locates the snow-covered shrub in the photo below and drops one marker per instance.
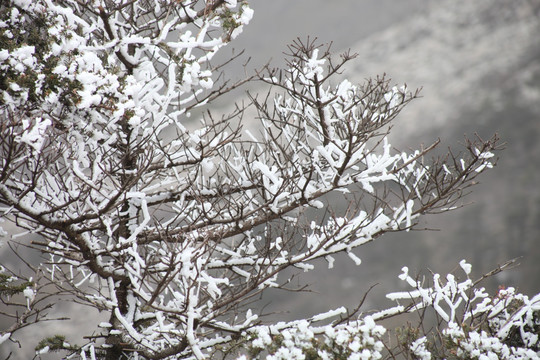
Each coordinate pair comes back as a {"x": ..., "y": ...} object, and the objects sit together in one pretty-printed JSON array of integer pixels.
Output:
[
  {"x": 171, "y": 226},
  {"x": 470, "y": 324},
  {"x": 360, "y": 339}
]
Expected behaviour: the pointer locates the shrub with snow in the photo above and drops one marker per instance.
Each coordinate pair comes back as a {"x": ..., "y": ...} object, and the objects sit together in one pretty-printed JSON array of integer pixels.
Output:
[{"x": 170, "y": 220}]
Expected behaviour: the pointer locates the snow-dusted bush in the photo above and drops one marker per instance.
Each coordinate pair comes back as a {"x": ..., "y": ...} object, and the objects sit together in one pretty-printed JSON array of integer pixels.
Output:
[
  {"x": 361, "y": 339},
  {"x": 470, "y": 323},
  {"x": 171, "y": 225}
]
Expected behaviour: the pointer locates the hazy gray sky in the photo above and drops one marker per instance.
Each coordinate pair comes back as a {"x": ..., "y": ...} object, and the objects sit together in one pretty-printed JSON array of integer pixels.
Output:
[{"x": 276, "y": 23}]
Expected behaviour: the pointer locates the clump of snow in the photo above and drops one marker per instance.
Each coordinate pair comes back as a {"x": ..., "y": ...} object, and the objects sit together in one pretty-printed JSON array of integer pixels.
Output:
[
  {"x": 418, "y": 348},
  {"x": 356, "y": 340},
  {"x": 30, "y": 295},
  {"x": 313, "y": 66},
  {"x": 34, "y": 134}
]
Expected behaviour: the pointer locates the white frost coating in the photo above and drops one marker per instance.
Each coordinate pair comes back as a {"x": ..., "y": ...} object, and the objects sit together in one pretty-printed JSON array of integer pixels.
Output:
[
  {"x": 129, "y": 327},
  {"x": 330, "y": 260},
  {"x": 345, "y": 88},
  {"x": 313, "y": 66},
  {"x": 418, "y": 348},
  {"x": 4, "y": 337},
  {"x": 44, "y": 350},
  {"x": 271, "y": 174},
  {"x": 246, "y": 16},
  {"x": 450, "y": 294},
  {"x": 523, "y": 317},
  {"x": 329, "y": 314},
  {"x": 30, "y": 295},
  {"x": 190, "y": 331},
  {"x": 355, "y": 258},
  {"x": 395, "y": 97},
  {"x": 356, "y": 340},
  {"x": 388, "y": 312},
  {"x": 317, "y": 204},
  {"x": 34, "y": 134},
  {"x": 465, "y": 266},
  {"x": 404, "y": 213}
]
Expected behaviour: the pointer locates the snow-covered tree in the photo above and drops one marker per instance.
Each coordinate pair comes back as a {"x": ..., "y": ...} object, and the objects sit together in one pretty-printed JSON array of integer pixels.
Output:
[{"x": 170, "y": 219}]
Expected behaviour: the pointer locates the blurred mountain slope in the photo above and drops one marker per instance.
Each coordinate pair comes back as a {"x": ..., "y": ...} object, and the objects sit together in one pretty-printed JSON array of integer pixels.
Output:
[{"x": 462, "y": 53}]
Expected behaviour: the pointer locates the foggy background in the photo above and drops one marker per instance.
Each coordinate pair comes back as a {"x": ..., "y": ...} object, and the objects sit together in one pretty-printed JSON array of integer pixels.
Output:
[{"x": 478, "y": 63}]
